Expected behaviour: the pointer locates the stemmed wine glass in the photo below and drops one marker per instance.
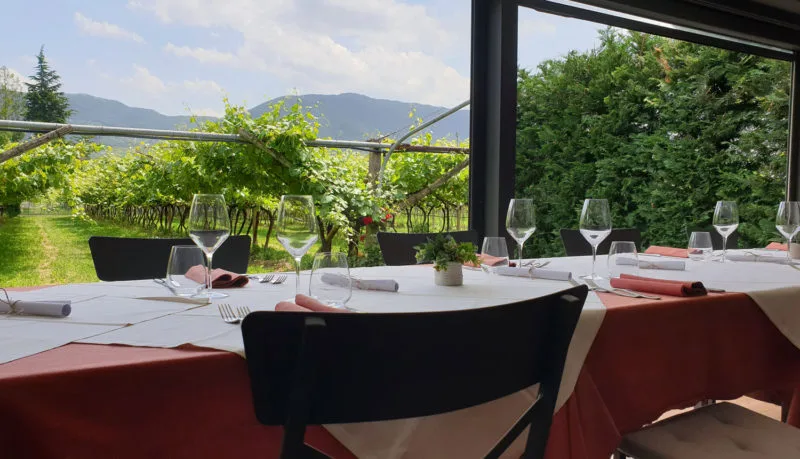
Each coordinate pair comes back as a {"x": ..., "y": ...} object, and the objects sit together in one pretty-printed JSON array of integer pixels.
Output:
[
  {"x": 209, "y": 226},
  {"x": 726, "y": 220},
  {"x": 595, "y": 226},
  {"x": 788, "y": 223},
  {"x": 297, "y": 228},
  {"x": 521, "y": 222}
]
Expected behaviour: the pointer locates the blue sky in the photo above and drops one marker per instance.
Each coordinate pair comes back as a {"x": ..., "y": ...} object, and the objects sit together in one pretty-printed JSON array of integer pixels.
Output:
[{"x": 181, "y": 56}]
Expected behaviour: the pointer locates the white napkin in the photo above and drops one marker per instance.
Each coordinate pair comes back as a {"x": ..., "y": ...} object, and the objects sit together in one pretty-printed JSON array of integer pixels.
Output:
[
  {"x": 673, "y": 265},
  {"x": 38, "y": 308},
  {"x": 751, "y": 256},
  {"x": 537, "y": 273},
  {"x": 384, "y": 285}
]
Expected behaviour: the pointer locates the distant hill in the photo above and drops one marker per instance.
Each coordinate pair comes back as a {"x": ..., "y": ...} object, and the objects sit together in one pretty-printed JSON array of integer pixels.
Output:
[
  {"x": 343, "y": 116},
  {"x": 357, "y": 117}
]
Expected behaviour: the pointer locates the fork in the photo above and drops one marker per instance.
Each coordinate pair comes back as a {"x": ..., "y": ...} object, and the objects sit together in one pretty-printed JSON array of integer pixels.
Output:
[
  {"x": 266, "y": 278},
  {"x": 619, "y": 291},
  {"x": 279, "y": 279},
  {"x": 228, "y": 314}
]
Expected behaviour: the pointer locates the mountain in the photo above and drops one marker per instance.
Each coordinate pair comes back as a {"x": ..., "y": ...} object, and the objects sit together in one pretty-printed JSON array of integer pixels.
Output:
[
  {"x": 343, "y": 116},
  {"x": 357, "y": 117}
]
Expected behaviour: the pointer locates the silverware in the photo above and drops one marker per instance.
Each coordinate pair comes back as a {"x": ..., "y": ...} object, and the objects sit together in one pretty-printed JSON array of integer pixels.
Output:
[
  {"x": 535, "y": 264},
  {"x": 229, "y": 314},
  {"x": 619, "y": 291},
  {"x": 176, "y": 299},
  {"x": 266, "y": 278},
  {"x": 279, "y": 279},
  {"x": 242, "y": 312}
]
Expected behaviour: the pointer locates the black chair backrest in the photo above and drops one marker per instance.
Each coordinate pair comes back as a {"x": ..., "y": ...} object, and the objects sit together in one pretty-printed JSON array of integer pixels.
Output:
[
  {"x": 398, "y": 248},
  {"x": 575, "y": 244},
  {"x": 716, "y": 240},
  {"x": 329, "y": 368},
  {"x": 122, "y": 258}
]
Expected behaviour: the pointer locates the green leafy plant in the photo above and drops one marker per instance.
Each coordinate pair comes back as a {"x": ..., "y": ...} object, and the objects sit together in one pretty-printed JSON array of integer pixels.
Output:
[{"x": 443, "y": 249}]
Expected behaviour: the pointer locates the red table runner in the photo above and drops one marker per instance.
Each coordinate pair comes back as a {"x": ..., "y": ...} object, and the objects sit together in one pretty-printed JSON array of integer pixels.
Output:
[{"x": 92, "y": 401}]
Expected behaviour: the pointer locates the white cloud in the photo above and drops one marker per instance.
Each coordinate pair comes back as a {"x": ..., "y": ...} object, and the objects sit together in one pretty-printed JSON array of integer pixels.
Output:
[
  {"x": 529, "y": 27},
  {"x": 384, "y": 48},
  {"x": 206, "y": 56},
  {"x": 208, "y": 112},
  {"x": 203, "y": 86},
  {"x": 144, "y": 81},
  {"x": 14, "y": 79},
  {"x": 104, "y": 29}
]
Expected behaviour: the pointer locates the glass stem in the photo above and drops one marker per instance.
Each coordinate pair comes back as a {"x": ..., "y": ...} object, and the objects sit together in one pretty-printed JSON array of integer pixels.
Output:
[
  {"x": 297, "y": 272},
  {"x": 594, "y": 258},
  {"x": 209, "y": 256},
  {"x": 519, "y": 265},
  {"x": 724, "y": 246},
  {"x": 789, "y": 250}
]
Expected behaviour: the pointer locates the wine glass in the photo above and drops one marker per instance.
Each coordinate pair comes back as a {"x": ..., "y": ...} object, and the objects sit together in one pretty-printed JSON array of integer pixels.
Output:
[
  {"x": 494, "y": 247},
  {"x": 726, "y": 220},
  {"x": 521, "y": 222},
  {"x": 330, "y": 279},
  {"x": 595, "y": 226},
  {"x": 788, "y": 223},
  {"x": 209, "y": 226},
  {"x": 297, "y": 228}
]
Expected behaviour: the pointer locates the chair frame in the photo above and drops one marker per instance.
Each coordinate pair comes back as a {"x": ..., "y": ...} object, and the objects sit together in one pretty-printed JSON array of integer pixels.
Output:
[
  {"x": 397, "y": 249},
  {"x": 291, "y": 357}
]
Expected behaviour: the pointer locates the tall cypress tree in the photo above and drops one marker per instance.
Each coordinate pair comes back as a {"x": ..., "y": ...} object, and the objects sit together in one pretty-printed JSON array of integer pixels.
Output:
[{"x": 44, "y": 101}]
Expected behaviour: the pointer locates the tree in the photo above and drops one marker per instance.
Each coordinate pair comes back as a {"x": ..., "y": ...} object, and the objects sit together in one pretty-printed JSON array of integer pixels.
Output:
[
  {"x": 12, "y": 105},
  {"x": 44, "y": 101}
]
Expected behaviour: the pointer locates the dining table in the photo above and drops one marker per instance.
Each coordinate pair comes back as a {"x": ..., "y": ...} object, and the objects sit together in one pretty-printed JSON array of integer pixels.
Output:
[{"x": 130, "y": 373}]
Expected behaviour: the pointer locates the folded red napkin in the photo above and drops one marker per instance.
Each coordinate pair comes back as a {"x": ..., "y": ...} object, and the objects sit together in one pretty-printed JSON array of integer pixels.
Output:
[
  {"x": 668, "y": 251},
  {"x": 490, "y": 260},
  {"x": 777, "y": 246},
  {"x": 303, "y": 303},
  {"x": 659, "y": 286},
  {"x": 220, "y": 278}
]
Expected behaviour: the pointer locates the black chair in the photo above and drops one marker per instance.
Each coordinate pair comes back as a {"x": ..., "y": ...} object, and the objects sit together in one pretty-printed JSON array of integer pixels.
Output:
[
  {"x": 122, "y": 258},
  {"x": 575, "y": 244},
  {"x": 398, "y": 248},
  {"x": 328, "y": 368}
]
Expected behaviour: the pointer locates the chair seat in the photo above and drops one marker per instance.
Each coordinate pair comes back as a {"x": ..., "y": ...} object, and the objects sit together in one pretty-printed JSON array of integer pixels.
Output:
[{"x": 720, "y": 431}]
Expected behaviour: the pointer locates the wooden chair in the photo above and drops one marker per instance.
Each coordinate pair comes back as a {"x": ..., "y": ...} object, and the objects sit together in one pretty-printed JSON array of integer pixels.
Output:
[
  {"x": 575, "y": 244},
  {"x": 121, "y": 258},
  {"x": 398, "y": 248},
  {"x": 329, "y": 368}
]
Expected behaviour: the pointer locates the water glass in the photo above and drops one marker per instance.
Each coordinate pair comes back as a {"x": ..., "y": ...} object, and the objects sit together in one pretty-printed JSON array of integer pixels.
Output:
[
  {"x": 296, "y": 228},
  {"x": 181, "y": 259},
  {"x": 595, "y": 226},
  {"x": 330, "y": 279},
  {"x": 787, "y": 223},
  {"x": 521, "y": 221},
  {"x": 494, "y": 247},
  {"x": 623, "y": 259},
  {"x": 209, "y": 226},
  {"x": 700, "y": 246}
]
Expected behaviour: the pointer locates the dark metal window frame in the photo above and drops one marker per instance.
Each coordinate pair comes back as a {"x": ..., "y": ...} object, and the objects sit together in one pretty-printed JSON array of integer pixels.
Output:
[{"x": 494, "y": 78}]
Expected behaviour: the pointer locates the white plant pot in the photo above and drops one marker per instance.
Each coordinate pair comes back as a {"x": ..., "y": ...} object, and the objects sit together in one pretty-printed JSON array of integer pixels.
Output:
[{"x": 452, "y": 277}]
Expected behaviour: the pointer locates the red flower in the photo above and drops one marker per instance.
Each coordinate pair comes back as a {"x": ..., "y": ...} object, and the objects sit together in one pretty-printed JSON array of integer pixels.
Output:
[
  {"x": 362, "y": 237},
  {"x": 367, "y": 220}
]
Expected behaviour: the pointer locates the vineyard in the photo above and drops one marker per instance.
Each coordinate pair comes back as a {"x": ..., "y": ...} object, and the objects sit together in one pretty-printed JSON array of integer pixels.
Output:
[{"x": 151, "y": 187}]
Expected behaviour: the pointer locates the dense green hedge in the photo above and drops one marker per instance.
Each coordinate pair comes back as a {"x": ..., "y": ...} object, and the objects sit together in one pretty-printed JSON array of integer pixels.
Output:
[{"x": 661, "y": 128}]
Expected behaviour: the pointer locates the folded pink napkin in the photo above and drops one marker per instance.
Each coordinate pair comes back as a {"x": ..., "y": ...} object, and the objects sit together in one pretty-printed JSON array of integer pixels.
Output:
[
  {"x": 491, "y": 260},
  {"x": 667, "y": 251},
  {"x": 777, "y": 246},
  {"x": 303, "y": 303},
  {"x": 220, "y": 278},
  {"x": 659, "y": 286}
]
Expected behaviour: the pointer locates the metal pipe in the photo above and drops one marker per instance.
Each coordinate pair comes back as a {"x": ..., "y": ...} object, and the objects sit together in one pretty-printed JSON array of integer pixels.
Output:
[
  {"x": 414, "y": 131},
  {"x": 162, "y": 134}
]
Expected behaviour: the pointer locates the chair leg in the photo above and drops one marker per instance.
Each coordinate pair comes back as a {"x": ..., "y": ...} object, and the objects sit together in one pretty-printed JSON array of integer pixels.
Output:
[{"x": 784, "y": 412}]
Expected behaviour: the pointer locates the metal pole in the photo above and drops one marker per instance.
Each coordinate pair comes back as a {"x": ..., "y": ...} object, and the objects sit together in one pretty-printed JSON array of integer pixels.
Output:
[
  {"x": 793, "y": 156},
  {"x": 414, "y": 131}
]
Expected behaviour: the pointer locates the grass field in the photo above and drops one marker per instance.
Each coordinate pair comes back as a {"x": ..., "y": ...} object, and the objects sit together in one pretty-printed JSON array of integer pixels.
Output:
[{"x": 54, "y": 249}]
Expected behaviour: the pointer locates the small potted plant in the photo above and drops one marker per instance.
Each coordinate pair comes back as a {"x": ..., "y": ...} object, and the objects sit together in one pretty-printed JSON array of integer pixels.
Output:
[{"x": 448, "y": 257}]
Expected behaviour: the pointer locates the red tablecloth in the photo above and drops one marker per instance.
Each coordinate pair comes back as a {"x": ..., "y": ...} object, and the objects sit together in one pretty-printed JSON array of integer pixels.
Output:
[{"x": 89, "y": 401}]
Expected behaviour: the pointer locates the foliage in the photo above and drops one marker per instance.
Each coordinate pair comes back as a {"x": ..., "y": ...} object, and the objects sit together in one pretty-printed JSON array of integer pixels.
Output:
[
  {"x": 12, "y": 106},
  {"x": 662, "y": 129},
  {"x": 44, "y": 101},
  {"x": 443, "y": 249}
]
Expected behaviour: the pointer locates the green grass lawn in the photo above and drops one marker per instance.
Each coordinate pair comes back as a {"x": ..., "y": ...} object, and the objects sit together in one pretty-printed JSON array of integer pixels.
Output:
[
  {"x": 42, "y": 250},
  {"x": 48, "y": 249}
]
